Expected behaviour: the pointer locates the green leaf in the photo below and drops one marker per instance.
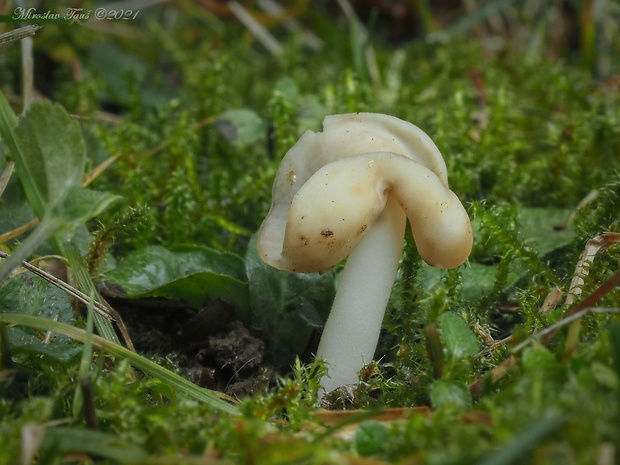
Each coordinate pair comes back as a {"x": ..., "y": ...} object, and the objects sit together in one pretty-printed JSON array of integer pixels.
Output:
[
  {"x": 605, "y": 376},
  {"x": 53, "y": 150},
  {"x": 115, "y": 66},
  {"x": 371, "y": 437},
  {"x": 52, "y": 163},
  {"x": 479, "y": 280},
  {"x": 538, "y": 359},
  {"x": 546, "y": 229},
  {"x": 81, "y": 205},
  {"x": 50, "y": 157},
  {"x": 32, "y": 295},
  {"x": 452, "y": 393},
  {"x": 33, "y": 241},
  {"x": 288, "y": 88},
  {"x": 15, "y": 211},
  {"x": 286, "y": 306},
  {"x": 241, "y": 126},
  {"x": 311, "y": 114},
  {"x": 459, "y": 340},
  {"x": 189, "y": 274},
  {"x": 63, "y": 440}
]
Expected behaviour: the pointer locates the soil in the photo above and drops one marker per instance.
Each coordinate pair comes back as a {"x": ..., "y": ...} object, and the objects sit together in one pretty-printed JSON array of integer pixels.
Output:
[{"x": 210, "y": 347}]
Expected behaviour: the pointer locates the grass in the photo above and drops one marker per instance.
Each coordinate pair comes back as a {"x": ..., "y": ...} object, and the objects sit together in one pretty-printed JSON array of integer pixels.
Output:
[{"x": 185, "y": 115}]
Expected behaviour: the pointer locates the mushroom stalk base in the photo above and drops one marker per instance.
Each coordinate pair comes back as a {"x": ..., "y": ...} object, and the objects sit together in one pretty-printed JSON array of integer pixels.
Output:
[{"x": 352, "y": 329}]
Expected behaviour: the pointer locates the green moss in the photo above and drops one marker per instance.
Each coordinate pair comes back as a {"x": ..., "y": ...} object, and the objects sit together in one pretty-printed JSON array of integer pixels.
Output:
[{"x": 199, "y": 116}]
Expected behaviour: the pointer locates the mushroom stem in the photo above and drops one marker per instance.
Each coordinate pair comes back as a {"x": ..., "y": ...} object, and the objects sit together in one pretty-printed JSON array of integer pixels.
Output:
[{"x": 352, "y": 329}]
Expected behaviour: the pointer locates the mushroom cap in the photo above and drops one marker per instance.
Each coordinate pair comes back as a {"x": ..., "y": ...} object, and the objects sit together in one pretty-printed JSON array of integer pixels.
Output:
[{"x": 332, "y": 186}]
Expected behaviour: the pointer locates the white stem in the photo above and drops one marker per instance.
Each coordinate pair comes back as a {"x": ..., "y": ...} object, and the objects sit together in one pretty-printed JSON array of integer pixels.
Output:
[{"x": 352, "y": 330}]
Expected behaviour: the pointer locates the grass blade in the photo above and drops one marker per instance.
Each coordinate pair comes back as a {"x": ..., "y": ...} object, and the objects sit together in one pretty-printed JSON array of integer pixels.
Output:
[
  {"x": 517, "y": 450},
  {"x": 180, "y": 384}
]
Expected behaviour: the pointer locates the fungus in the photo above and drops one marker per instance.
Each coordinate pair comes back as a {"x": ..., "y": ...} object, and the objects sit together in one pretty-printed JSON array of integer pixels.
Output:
[{"x": 347, "y": 192}]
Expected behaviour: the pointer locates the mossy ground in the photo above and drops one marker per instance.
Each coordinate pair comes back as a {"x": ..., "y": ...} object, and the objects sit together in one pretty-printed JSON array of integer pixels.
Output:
[{"x": 532, "y": 145}]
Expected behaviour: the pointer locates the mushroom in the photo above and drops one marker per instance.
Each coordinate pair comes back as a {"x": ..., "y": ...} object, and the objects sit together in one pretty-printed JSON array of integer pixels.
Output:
[{"x": 347, "y": 192}]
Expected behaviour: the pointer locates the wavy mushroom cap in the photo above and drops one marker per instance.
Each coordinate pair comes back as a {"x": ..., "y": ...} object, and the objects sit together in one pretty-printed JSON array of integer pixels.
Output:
[{"x": 332, "y": 186}]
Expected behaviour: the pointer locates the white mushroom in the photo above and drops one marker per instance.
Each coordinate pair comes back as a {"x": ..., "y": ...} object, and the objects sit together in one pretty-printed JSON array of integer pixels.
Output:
[{"x": 348, "y": 192}]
